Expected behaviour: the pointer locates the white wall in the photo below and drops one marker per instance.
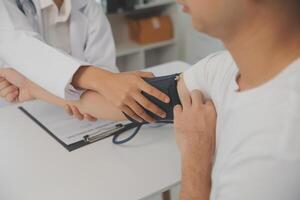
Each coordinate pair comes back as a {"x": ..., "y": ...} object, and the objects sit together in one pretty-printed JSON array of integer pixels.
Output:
[{"x": 194, "y": 45}]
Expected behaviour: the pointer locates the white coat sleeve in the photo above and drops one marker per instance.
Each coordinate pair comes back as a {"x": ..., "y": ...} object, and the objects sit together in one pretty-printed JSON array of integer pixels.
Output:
[
  {"x": 23, "y": 49},
  {"x": 100, "y": 47}
]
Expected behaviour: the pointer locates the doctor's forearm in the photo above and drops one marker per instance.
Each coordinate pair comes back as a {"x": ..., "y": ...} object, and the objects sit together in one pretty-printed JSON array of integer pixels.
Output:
[{"x": 88, "y": 77}]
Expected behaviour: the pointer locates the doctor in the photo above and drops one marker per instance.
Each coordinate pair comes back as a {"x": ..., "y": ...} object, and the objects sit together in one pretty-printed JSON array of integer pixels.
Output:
[
  {"x": 64, "y": 40},
  {"x": 71, "y": 33}
]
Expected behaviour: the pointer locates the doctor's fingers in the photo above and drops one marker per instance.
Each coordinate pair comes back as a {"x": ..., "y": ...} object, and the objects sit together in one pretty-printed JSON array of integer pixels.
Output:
[
  {"x": 135, "y": 107},
  {"x": 144, "y": 86},
  {"x": 143, "y": 101},
  {"x": 131, "y": 114},
  {"x": 139, "y": 111},
  {"x": 145, "y": 74}
]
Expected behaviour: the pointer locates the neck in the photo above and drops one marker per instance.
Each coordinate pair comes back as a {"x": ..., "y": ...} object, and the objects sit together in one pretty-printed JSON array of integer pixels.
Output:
[
  {"x": 263, "y": 51},
  {"x": 58, "y": 3}
]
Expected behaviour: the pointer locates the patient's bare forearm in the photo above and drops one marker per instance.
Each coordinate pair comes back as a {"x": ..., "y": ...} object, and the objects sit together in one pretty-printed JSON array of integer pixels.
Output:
[
  {"x": 96, "y": 105},
  {"x": 90, "y": 103},
  {"x": 39, "y": 93}
]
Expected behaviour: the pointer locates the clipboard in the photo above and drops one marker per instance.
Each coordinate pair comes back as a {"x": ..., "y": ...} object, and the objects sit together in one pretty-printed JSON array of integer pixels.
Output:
[{"x": 87, "y": 139}]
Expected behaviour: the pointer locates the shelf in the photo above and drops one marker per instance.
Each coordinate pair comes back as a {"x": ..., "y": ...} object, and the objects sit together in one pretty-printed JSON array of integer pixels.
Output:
[
  {"x": 154, "y": 4},
  {"x": 131, "y": 47},
  {"x": 142, "y": 7},
  {"x": 133, "y": 56}
]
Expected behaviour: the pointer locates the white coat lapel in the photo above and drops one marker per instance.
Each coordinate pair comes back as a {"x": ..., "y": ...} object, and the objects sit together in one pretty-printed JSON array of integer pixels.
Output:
[{"x": 78, "y": 29}]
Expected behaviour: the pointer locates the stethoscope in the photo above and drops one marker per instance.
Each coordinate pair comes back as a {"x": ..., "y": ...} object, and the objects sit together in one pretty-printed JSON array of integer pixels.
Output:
[{"x": 27, "y": 7}]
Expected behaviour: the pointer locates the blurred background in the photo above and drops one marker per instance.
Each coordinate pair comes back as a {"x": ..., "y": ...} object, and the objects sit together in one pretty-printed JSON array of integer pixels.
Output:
[{"x": 151, "y": 32}]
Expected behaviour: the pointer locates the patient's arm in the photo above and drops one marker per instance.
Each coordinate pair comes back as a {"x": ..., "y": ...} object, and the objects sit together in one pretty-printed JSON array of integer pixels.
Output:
[
  {"x": 93, "y": 103},
  {"x": 96, "y": 105},
  {"x": 90, "y": 103}
]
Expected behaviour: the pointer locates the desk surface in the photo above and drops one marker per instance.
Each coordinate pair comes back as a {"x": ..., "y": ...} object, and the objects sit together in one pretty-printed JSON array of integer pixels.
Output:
[{"x": 33, "y": 166}]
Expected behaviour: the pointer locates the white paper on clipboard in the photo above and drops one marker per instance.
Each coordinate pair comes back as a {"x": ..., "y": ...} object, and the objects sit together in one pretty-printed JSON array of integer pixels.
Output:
[{"x": 66, "y": 128}]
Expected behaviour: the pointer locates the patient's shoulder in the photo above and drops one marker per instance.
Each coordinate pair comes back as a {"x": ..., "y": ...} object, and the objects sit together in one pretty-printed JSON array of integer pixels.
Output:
[
  {"x": 212, "y": 75},
  {"x": 220, "y": 63}
]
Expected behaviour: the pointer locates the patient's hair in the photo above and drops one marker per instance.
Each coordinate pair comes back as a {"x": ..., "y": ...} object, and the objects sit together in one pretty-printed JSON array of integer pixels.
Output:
[
  {"x": 294, "y": 6},
  {"x": 291, "y": 8}
]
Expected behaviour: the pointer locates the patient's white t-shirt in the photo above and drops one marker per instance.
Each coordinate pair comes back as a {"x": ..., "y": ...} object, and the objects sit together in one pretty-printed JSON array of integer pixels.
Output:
[{"x": 258, "y": 131}]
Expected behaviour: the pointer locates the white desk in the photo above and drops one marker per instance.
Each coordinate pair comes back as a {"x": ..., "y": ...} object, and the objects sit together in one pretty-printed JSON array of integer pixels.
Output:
[{"x": 33, "y": 166}]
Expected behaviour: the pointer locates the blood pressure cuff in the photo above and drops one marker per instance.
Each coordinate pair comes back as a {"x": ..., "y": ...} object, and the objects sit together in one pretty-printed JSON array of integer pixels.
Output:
[{"x": 167, "y": 85}]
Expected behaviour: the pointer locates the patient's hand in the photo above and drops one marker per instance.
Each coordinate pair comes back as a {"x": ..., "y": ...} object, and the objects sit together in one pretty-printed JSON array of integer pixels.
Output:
[
  {"x": 92, "y": 106},
  {"x": 72, "y": 110},
  {"x": 195, "y": 128},
  {"x": 13, "y": 86},
  {"x": 8, "y": 91}
]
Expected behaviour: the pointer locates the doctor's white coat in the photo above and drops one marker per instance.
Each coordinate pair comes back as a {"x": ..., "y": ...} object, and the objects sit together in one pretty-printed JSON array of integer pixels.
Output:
[{"x": 22, "y": 46}]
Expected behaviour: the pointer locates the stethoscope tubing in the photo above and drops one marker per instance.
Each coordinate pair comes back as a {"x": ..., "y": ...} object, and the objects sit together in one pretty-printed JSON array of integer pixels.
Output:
[{"x": 26, "y": 6}]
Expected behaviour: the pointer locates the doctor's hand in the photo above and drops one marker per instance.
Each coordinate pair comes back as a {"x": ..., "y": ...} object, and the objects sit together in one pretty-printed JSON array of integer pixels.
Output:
[
  {"x": 128, "y": 97},
  {"x": 123, "y": 90},
  {"x": 13, "y": 86}
]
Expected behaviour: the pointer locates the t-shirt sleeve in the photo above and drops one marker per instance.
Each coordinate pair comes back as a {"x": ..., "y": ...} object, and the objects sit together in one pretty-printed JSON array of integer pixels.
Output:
[{"x": 210, "y": 75}]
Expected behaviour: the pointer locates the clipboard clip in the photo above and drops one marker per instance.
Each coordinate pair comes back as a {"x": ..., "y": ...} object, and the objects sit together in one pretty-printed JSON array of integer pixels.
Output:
[{"x": 99, "y": 136}]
